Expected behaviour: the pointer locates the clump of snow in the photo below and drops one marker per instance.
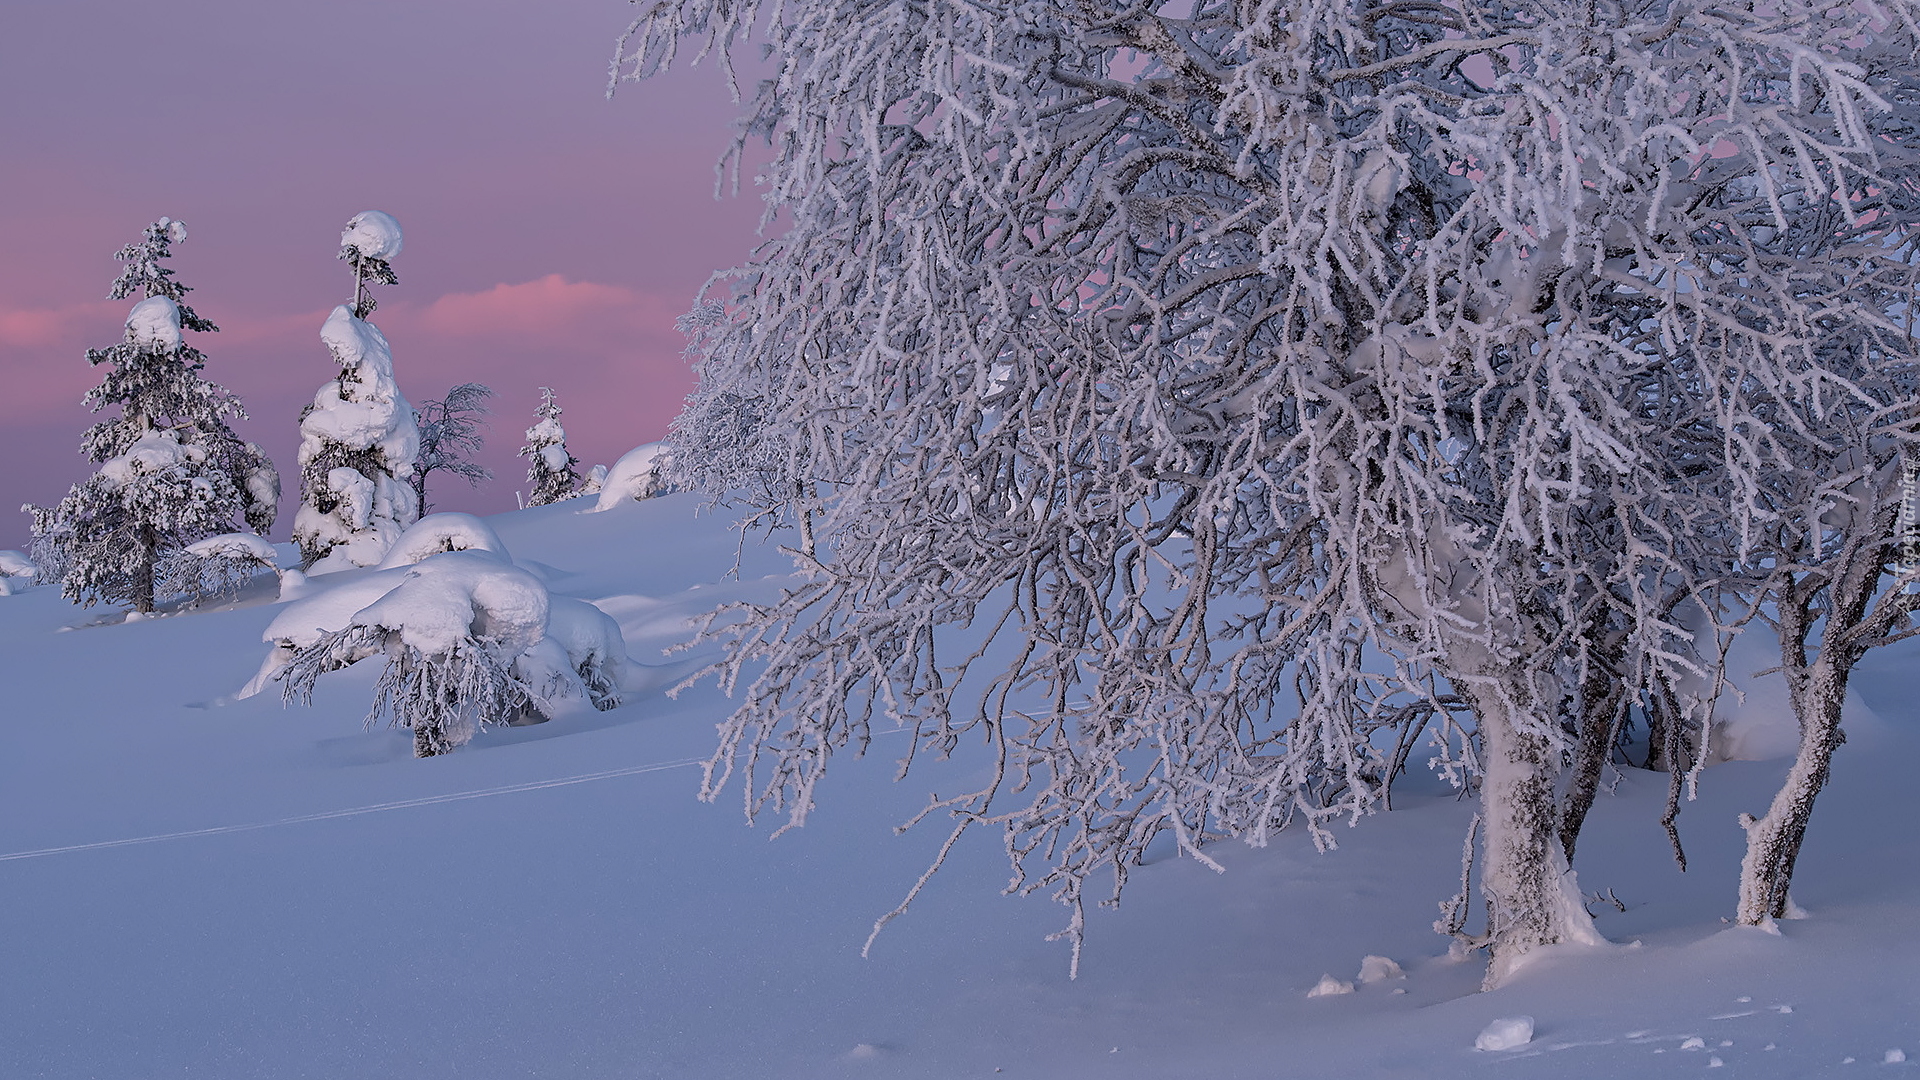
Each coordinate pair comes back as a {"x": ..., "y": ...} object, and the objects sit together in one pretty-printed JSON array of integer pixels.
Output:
[
  {"x": 639, "y": 474},
  {"x": 456, "y": 595},
  {"x": 1694, "y": 1043},
  {"x": 596, "y": 479},
  {"x": 154, "y": 323},
  {"x": 582, "y": 657},
  {"x": 1895, "y": 1056},
  {"x": 1375, "y": 969},
  {"x": 154, "y": 452},
  {"x": 374, "y": 233},
  {"x": 1328, "y": 986},
  {"x": 237, "y": 545},
  {"x": 16, "y": 564},
  {"x": 436, "y": 533},
  {"x": 1506, "y": 1033}
]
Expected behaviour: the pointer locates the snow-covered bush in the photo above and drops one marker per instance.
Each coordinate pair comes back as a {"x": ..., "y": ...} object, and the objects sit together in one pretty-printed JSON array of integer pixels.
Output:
[
  {"x": 550, "y": 467},
  {"x": 450, "y": 436},
  {"x": 15, "y": 570},
  {"x": 171, "y": 470},
  {"x": 358, "y": 441},
  {"x": 469, "y": 639},
  {"x": 1253, "y": 376},
  {"x": 641, "y": 473},
  {"x": 216, "y": 566}
]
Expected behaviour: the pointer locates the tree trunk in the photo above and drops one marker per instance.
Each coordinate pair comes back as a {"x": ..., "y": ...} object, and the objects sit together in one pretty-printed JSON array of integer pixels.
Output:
[
  {"x": 1773, "y": 842},
  {"x": 1602, "y": 704},
  {"x": 1532, "y": 897},
  {"x": 143, "y": 570},
  {"x": 428, "y": 740}
]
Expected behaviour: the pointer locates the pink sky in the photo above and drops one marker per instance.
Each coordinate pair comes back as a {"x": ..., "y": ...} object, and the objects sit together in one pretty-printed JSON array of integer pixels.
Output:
[{"x": 551, "y": 235}]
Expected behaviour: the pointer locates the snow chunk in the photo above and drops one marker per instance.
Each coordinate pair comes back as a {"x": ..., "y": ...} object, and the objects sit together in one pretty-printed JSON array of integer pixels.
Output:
[
  {"x": 154, "y": 323},
  {"x": 1506, "y": 1033},
  {"x": 436, "y": 533},
  {"x": 637, "y": 475},
  {"x": 1694, "y": 1043},
  {"x": 15, "y": 564},
  {"x": 1328, "y": 986},
  {"x": 1375, "y": 969},
  {"x": 235, "y": 546},
  {"x": 154, "y": 452},
  {"x": 374, "y": 233},
  {"x": 1895, "y": 1056},
  {"x": 445, "y": 599}
]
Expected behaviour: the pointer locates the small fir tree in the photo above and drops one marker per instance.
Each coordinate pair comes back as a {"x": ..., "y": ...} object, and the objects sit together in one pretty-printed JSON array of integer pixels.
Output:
[
  {"x": 450, "y": 436},
  {"x": 358, "y": 440},
  {"x": 171, "y": 469},
  {"x": 551, "y": 470}
]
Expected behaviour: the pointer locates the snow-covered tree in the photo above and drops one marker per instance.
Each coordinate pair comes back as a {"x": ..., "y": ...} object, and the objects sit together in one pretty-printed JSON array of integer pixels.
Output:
[
  {"x": 1196, "y": 355},
  {"x": 171, "y": 469},
  {"x": 550, "y": 467},
  {"x": 358, "y": 440},
  {"x": 450, "y": 436}
]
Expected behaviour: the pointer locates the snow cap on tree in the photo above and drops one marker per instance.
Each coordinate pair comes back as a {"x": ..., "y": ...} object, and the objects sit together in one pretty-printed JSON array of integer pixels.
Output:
[{"x": 374, "y": 234}]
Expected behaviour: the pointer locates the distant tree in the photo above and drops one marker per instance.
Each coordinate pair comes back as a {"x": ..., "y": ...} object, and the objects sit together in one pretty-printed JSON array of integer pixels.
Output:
[
  {"x": 171, "y": 469},
  {"x": 450, "y": 436},
  {"x": 551, "y": 468},
  {"x": 358, "y": 440}
]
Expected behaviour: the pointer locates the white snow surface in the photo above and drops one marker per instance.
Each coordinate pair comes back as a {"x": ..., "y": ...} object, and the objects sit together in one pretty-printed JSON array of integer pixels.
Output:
[
  {"x": 237, "y": 890},
  {"x": 154, "y": 323},
  {"x": 16, "y": 564},
  {"x": 635, "y": 476},
  {"x": 374, "y": 232},
  {"x": 436, "y": 533}
]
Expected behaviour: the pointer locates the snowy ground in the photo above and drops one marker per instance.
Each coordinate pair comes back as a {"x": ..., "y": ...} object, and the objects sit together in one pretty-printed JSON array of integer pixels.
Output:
[{"x": 198, "y": 889}]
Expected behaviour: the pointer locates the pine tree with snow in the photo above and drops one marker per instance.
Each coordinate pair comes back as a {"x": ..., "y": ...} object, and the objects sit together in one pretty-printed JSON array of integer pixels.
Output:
[
  {"x": 551, "y": 470},
  {"x": 1193, "y": 394},
  {"x": 450, "y": 436},
  {"x": 358, "y": 440},
  {"x": 171, "y": 469}
]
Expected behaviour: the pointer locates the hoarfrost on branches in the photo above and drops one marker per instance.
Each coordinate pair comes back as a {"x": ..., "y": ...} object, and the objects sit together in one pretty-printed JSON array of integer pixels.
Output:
[
  {"x": 1172, "y": 431},
  {"x": 450, "y": 436}
]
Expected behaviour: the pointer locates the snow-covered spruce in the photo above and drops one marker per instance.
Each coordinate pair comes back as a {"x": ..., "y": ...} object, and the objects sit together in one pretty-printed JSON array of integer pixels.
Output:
[
  {"x": 1301, "y": 384},
  {"x": 171, "y": 469},
  {"x": 469, "y": 638},
  {"x": 550, "y": 467},
  {"x": 16, "y": 571},
  {"x": 450, "y": 436},
  {"x": 358, "y": 440}
]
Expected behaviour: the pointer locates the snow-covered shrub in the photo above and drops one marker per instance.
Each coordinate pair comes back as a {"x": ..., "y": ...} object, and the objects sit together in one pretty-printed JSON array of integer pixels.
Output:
[
  {"x": 639, "y": 474},
  {"x": 216, "y": 566},
  {"x": 550, "y": 467},
  {"x": 171, "y": 470},
  {"x": 358, "y": 441},
  {"x": 470, "y": 640},
  {"x": 436, "y": 533},
  {"x": 15, "y": 570}
]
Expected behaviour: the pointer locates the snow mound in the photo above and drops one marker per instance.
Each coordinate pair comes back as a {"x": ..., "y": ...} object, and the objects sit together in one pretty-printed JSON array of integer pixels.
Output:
[
  {"x": 582, "y": 657},
  {"x": 1506, "y": 1033},
  {"x": 15, "y": 564},
  {"x": 1375, "y": 969},
  {"x": 436, "y": 533},
  {"x": 374, "y": 233},
  {"x": 1328, "y": 986},
  {"x": 154, "y": 323},
  {"x": 637, "y": 475}
]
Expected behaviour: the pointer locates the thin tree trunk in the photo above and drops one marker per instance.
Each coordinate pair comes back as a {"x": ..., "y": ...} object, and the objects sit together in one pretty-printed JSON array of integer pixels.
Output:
[
  {"x": 143, "y": 570},
  {"x": 1773, "y": 841},
  {"x": 1602, "y": 705}
]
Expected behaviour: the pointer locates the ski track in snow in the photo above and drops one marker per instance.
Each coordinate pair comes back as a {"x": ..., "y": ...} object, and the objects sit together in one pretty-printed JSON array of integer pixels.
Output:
[{"x": 376, "y": 808}]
